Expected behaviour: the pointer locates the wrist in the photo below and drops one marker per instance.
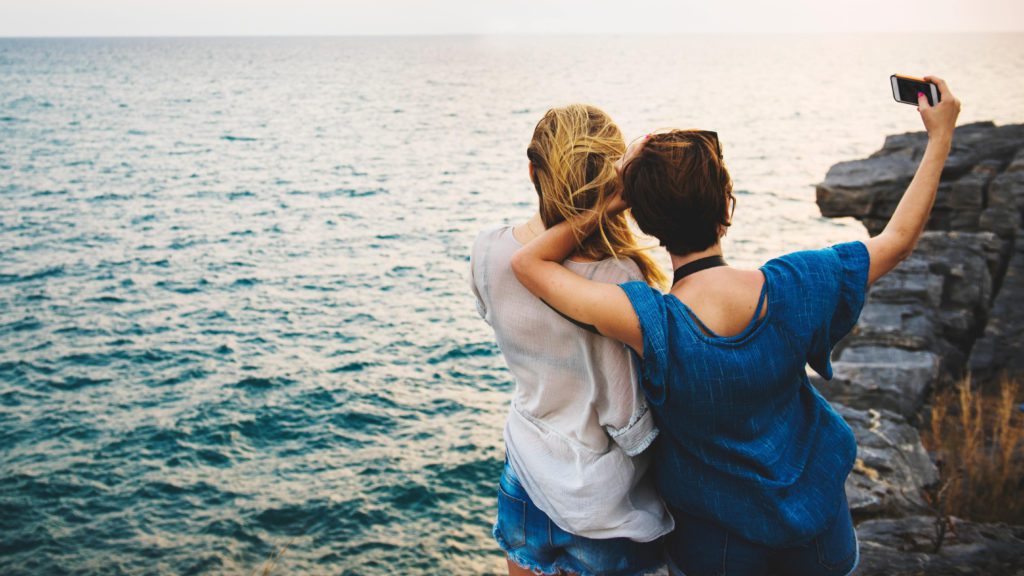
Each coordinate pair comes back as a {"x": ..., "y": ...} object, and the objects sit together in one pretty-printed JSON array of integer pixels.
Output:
[{"x": 940, "y": 139}]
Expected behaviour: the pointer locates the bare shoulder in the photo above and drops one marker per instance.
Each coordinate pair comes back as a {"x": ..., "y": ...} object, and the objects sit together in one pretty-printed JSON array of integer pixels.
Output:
[
  {"x": 725, "y": 299},
  {"x": 746, "y": 277},
  {"x": 738, "y": 288}
]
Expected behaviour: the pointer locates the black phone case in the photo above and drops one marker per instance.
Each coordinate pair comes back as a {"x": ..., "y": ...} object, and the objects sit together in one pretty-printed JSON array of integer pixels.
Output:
[{"x": 918, "y": 86}]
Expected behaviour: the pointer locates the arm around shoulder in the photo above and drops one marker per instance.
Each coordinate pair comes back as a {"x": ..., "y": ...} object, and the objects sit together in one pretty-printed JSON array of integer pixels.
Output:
[{"x": 605, "y": 306}]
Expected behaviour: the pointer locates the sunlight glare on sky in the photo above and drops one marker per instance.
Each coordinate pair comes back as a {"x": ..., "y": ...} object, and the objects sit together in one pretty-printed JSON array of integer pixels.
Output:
[{"x": 346, "y": 17}]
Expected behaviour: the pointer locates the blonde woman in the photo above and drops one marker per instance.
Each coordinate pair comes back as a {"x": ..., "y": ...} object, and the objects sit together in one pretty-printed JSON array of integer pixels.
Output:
[{"x": 575, "y": 496}]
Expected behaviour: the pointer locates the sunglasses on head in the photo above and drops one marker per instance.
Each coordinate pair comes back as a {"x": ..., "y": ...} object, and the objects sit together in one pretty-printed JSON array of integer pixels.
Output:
[{"x": 709, "y": 134}]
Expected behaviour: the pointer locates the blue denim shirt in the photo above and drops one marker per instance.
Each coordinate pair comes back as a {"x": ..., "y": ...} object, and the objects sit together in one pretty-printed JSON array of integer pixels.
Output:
[{"x": 746, "y": 441}]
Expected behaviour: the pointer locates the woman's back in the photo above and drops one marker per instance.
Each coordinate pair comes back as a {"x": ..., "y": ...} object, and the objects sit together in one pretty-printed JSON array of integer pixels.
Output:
[
  {"x": 575, "y": 391},
  {"x": 723, "y": 299},
  {"x": 745, "y": 439}
]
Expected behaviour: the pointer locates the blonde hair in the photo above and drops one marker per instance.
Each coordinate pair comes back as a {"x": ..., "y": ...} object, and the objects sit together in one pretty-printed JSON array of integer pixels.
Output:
[{"x": 573, "y": 153}]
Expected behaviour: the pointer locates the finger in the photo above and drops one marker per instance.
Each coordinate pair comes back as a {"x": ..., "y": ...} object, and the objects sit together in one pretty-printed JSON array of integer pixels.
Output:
[
  {"x": 941, "y": 84},
  {"x": 922, "y": 101}
]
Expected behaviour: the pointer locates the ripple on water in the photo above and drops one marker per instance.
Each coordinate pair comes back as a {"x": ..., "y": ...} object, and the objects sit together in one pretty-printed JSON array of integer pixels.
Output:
[
  {"x": 107, "y": 300},
  {"x": 24, "y": 324},
  {"x": 258, "y": 383},
  {"x": 363, "y": 421},
  {"x": 41, "y": 274},
  {"x": 187, "y": 375},
  {"x": 352, "y": 367},
  {"x": 327, "y": 519},
  {"x": 460, "y": 351},
  {"x": 274, "y": 426},
  {"x": 352, "y": 192},
  {"x": 71, "y": 383}
]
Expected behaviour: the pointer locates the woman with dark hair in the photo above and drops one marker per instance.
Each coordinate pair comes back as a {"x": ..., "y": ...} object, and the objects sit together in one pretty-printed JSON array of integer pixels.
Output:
[{"x": 751, "y": 459}]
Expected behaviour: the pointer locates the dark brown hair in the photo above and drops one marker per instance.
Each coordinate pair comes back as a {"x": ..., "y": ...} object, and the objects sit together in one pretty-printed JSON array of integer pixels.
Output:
[{"x": 679, "y": 190}]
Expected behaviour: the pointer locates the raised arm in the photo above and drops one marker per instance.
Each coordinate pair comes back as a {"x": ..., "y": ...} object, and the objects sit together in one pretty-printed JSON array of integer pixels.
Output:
[
  {"x": 605, "y": 306},
  {"x": 904, "y": 229}
]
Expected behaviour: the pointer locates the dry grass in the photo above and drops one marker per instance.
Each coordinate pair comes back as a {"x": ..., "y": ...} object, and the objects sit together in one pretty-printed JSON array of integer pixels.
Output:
[{"x": 978, "y": 443}]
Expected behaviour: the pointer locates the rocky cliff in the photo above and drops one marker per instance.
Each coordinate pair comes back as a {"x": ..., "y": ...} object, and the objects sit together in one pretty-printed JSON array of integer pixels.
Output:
[{"x": 956, "y": 305}]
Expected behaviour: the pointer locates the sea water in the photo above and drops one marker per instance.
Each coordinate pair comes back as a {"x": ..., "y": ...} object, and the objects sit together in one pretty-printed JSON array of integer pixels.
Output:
[{"x": 234, "y": 311}]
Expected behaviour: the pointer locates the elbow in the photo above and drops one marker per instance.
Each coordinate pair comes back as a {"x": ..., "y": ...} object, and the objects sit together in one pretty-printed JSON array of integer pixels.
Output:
[
  {"x": 904, "y": 253},
  {"x": 902, "y": 245},
  {"x": 520, "y": 265},
  {"x": 906, "y": 248}
]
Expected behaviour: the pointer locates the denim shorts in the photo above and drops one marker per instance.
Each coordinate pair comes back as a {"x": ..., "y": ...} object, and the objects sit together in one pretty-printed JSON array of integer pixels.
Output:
[
  {"x": 534, "y": 542},
  {"x": 698, "y": 547}
]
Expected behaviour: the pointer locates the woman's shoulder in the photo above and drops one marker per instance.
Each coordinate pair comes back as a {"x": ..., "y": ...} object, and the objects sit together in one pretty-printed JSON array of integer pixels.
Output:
[
  {"x": 491, "y": 236},
  {"x": 820, "y": 265},
  {"x": 809, "y": 286},
  {"x": 492, "y": 233},
  {"x": 611, "y": 270}
]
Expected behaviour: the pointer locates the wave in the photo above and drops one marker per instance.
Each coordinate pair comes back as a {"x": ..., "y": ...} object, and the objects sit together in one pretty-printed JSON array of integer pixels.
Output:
[
  {"x": 352, "y": 367},
  {"x": 351, "y": 192},
  {"x": 43, "y": 273},
  {"x": 466, "y": 350},
  {"x": 260, "y": 383},
  {"x": 71, "y": 383},
  {"x": 23, "y": 325}
]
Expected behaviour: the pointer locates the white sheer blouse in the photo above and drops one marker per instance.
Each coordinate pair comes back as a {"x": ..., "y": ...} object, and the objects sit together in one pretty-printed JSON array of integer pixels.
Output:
[{"x": 578, "y": 421}]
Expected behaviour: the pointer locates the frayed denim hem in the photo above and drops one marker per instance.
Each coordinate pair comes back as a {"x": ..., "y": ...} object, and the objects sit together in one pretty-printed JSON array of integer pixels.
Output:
[
  {"x": 522, "y": 562},
  {"x": 557, "y": 566}
]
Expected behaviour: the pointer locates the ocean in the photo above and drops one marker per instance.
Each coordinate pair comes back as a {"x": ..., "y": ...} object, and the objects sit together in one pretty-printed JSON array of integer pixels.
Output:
[{"x": 234, "y": 312}]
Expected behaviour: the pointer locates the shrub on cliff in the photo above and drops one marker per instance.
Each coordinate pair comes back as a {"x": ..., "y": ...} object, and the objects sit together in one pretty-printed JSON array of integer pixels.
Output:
[{"x": 978, "y": 442}]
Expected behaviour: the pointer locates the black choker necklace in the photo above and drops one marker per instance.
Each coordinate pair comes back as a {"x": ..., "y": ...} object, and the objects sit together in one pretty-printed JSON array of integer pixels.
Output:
[{"x": 696, "y": 266}]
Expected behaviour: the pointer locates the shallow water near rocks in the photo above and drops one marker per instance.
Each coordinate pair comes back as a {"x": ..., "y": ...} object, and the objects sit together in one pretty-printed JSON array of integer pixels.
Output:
[{"x": 234, "y": 312}]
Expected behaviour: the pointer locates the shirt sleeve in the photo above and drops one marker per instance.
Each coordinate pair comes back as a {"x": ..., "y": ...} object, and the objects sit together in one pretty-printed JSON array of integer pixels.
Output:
[
  {"x": 481, "y": 308},
  {"x": 637, "y": 435},
  {"x": 847, "y": 269},
  {"x": 649, "y": 305},
  {"x": 628, "y": 420}
]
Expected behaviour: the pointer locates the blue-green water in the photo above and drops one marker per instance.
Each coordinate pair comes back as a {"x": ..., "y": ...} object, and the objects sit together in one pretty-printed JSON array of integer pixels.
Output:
[{"x": 233, "y": 305}]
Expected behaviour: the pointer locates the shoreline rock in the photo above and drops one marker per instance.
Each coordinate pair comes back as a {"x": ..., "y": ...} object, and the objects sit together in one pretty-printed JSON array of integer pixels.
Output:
[
  {"x": 892, "y": 466},
  {"x": 955, "y": 306},
  {"x": 941, "y": 299},
  {"x": 906, "y": 547}
]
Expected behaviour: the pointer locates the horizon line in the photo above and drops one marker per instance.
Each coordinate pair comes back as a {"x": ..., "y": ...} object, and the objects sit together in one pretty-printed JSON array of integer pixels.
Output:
[{"x": 507, "y": 34}]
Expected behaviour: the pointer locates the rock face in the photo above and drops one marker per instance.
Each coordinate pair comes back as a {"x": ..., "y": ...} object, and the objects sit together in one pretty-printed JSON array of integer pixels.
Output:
[
  {"x": 941, "y": 299},
  {"x": 892, "y": 379},
  {"x": 906, "y": 547},
  {"x": 919, "y": 324},
  {"x": 1001, "y": 347},
  {"x": 956, "y": 305},
  {"x": 869, "y": 189},
  {"x": 892, "y": 467}
]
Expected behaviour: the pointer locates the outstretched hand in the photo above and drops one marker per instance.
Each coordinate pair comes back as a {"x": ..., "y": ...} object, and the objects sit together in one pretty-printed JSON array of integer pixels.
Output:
[
  {"x": 901, "y": 234},
  {"x": 940, "y": 119}
]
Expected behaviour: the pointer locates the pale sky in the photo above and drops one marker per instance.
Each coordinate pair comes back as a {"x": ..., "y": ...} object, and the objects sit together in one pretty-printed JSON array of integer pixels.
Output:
[{"x": 346, "y": 17}]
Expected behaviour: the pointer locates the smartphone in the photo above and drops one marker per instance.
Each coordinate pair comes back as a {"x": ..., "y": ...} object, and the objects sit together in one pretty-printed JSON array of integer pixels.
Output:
[{"x": 905, "y": 89}]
